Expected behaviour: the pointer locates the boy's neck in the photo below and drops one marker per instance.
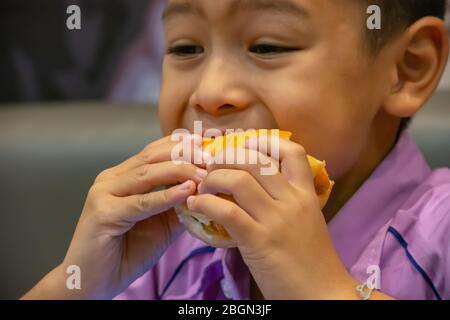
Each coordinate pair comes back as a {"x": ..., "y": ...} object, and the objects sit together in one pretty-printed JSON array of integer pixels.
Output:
[{"x": 380, "y": 143}]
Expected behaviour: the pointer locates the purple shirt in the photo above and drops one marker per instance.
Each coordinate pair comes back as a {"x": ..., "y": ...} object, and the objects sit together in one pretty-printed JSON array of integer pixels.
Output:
[{"x": 399, "y": 221}]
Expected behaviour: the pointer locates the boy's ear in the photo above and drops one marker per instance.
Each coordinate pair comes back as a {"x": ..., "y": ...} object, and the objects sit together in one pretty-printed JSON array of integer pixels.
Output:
[{"x": 422, "y": 54}]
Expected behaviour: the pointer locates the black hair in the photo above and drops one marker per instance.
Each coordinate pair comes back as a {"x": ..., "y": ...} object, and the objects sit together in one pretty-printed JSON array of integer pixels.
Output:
[{"x": 396, "y": 16}]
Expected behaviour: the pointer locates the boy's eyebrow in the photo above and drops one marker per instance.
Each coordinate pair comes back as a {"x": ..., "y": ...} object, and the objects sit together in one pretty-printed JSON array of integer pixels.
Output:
[{"x": 237, "y": 6}]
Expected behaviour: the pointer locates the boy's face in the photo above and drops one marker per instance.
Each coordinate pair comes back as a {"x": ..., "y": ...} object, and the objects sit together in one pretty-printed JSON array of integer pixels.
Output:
[{"x": 295, "y": 65}]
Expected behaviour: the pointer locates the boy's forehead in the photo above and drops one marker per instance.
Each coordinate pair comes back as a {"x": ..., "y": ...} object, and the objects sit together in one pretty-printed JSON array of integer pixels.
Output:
[
  {"x": 224, "y": 10},
  {"x": 229, "y": 8}
]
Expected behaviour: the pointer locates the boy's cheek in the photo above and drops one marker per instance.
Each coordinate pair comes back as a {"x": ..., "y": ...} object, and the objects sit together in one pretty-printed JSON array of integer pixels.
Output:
[
  {"x": 326, "y": 133},
  {"x": 170, "y": 110}
]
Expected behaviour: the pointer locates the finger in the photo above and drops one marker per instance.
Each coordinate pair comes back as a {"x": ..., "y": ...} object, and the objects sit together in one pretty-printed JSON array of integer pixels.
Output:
[
  {"x": 149, "y": 176},
  {"x": 245, "y": 190},
  {"x": 236, "y": 221},
  {"x": 163, "y": 151},
  {"x": 139, "y": 207},
  {"x": 293, "y": 158},
  {"x": 262, "y": 168},
  {"x": 159, "y": 151}
]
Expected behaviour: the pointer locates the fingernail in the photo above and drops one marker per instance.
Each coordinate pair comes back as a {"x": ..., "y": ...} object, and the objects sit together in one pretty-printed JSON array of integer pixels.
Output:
[
  {"x": 190, "y": 201},
  {"x": 184, "y": 186},
  {"x": 201, "y": 173}
]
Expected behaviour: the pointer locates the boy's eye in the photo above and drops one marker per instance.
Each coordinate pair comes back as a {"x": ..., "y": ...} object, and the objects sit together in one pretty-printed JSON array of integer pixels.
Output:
[
  {"x": 268, "y": 49},
  {"x": 185, "y": 50}
]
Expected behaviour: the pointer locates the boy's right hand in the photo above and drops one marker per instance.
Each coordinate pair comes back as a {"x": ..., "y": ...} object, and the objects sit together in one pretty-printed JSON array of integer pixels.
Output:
[{"x": 126, "y": 224}]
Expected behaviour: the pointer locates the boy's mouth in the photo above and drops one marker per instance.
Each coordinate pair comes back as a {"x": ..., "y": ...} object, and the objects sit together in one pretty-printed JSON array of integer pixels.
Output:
[
  {"x": 210, "y": 130},
  {"x": 218, "y": 130}
]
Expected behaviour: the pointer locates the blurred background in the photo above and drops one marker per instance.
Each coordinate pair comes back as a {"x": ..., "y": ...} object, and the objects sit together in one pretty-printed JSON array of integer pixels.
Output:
[{"x": 74, "y": 102}]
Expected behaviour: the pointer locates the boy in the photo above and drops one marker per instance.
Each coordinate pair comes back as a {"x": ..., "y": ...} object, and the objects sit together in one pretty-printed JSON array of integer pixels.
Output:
[{"x": 313, "y": 68}]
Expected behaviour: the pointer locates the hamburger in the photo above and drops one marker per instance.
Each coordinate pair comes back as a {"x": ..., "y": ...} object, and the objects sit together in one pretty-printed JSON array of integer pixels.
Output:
[{"x": 215, "y": 234}]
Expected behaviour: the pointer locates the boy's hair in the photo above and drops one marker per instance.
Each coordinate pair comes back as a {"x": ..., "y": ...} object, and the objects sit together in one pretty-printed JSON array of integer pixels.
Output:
[{"x": 396, "y": 16}]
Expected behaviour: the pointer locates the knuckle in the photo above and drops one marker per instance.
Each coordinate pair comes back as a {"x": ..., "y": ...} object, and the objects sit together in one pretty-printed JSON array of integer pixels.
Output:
[
  {"x": 213, "y": 166},
  {"x": 231, "y": 213},
  {"x": 96, "y": 191},
  {"x": 181, "y": 171},
  {"x": 184, "y": 168},
  {"x": 146, "y": 156},
  {"x": 148, "y": 147},
  {"x": 103, "y": 175},
  {"x": 215, "y": 175},
  {"x": 255, "y": 169},
  {"x": 189, "y": 171},
  {"x": 148, "y": 201},
  {"x": 145, "y": 201},
  {"x": 299, "y": 151},
  {"x": 143, "y": 171},
  {"x": 92, "y": 192},
  {"x": 100, "y": 205},
  {"x": 165, "y": 197},
  {"x": 241, "y": 178}
]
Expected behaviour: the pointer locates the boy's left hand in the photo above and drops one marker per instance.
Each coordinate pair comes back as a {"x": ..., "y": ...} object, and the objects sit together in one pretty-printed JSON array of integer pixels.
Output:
[{"x": 278, "y": 224}]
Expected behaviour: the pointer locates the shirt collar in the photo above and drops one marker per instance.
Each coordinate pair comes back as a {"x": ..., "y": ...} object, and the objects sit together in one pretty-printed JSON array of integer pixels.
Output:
[
  {"x": 378, "y": 199},
  {"x": 227, "y": 265}
]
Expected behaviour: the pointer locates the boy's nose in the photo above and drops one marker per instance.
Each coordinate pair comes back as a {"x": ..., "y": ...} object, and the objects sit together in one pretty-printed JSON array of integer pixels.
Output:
[{"x": 220, "y": 89}]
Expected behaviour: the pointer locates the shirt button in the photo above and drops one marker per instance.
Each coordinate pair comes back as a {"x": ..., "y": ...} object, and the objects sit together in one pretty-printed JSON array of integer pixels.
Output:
[{"x": 226, "y": 288}]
